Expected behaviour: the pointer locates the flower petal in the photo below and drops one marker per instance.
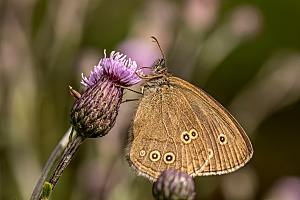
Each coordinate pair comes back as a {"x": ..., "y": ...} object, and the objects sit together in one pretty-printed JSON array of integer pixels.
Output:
[{"x": 117, "y": 68}]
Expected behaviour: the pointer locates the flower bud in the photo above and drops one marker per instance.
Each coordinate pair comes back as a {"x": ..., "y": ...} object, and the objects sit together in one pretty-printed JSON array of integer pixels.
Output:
[
  {"x": 94, "y": 112},
  {"x": 174, "y": 185}
]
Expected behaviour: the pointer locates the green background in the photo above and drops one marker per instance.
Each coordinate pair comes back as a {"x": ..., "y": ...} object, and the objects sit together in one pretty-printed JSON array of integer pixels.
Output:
[{"x": 244, "y": 53}]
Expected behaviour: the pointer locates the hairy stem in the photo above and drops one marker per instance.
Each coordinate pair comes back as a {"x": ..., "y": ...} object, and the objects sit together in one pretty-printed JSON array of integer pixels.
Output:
[{"x": 66, "y": 159}]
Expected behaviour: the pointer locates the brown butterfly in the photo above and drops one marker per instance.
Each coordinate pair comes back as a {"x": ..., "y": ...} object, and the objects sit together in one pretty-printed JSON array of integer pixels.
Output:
[{"x": 179, "y": 126}]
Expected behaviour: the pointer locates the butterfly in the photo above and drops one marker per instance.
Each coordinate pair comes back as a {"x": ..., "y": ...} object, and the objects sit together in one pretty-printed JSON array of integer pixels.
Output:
[{"x": 179, "y": 126}]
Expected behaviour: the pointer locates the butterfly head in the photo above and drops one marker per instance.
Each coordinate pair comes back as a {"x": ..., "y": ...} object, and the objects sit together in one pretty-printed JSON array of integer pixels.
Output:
[{"x": 160, "y": 66}]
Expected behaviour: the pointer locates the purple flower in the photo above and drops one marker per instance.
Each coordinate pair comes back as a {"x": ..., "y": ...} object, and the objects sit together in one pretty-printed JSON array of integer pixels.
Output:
[
  {"x": 94, "y": 112},
  {"x": 117, "y": 68}
]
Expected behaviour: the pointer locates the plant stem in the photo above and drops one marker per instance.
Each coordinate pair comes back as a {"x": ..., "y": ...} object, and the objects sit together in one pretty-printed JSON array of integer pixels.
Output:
[
  {"x": 66, "y": 158},
  {"x": 53, "y": 157}
]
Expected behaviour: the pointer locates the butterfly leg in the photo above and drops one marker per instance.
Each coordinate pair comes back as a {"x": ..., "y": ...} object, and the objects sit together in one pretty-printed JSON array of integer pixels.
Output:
[
  {"x": 127, "y": 88},
  {"x": 149, "y": 76},
  {"x": 141, "y": 75},
  {"x": 128, "y": 100}
]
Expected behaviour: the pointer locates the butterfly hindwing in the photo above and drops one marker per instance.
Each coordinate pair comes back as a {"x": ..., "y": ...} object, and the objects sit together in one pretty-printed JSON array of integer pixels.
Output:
[
  {"x": 179, "y": 126},
  {"x": 226, "y": 140}
]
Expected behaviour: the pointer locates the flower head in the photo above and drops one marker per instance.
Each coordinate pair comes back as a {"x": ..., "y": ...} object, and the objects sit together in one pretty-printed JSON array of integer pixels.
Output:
[
  {"x": 117, "y": 67},
  {"x": 174, "y": 185},
  {"x": 94, "y": 112}
]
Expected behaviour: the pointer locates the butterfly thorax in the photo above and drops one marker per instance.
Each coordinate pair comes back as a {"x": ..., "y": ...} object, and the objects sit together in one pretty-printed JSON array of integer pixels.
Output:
[
  {"x": 159, "y": 80},
  {"x": 157, "y": 83}
]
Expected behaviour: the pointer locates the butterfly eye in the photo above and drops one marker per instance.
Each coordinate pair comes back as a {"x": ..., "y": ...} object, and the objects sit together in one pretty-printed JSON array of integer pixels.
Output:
[
  {"x": 169, "y": 158},
  {"x": 154, "y": 156},
  {"x": 193, "y": 133},
  {"x": 222, "y": 139},
  {"x": 185, "y": 137}
]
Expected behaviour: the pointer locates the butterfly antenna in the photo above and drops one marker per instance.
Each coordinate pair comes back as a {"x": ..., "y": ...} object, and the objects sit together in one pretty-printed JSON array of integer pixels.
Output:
[{"x": 161, "y": 51}]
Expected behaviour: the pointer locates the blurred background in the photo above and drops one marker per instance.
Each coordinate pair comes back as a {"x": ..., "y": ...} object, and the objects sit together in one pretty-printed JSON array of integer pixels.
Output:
[{"x": 244, "y": 53}]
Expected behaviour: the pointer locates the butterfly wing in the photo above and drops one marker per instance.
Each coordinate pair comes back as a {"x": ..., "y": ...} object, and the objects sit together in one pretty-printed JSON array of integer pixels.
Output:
[{"x": 181, "y": 127}]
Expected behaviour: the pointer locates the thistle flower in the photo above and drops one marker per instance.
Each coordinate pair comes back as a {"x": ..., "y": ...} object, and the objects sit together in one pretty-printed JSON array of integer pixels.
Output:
[
  {"x": 94, "y": 112},
  {"x": 174, "y": 185}
]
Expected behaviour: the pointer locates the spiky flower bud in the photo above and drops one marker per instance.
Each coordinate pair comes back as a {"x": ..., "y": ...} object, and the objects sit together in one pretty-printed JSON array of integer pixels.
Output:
[
  {"x": 174, "y": 185},
  {"x": 94, "y": 112}
]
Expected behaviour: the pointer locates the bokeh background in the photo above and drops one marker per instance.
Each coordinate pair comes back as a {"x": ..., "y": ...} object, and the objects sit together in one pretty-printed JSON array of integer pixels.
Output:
[{"x": 244, "y": 53}]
